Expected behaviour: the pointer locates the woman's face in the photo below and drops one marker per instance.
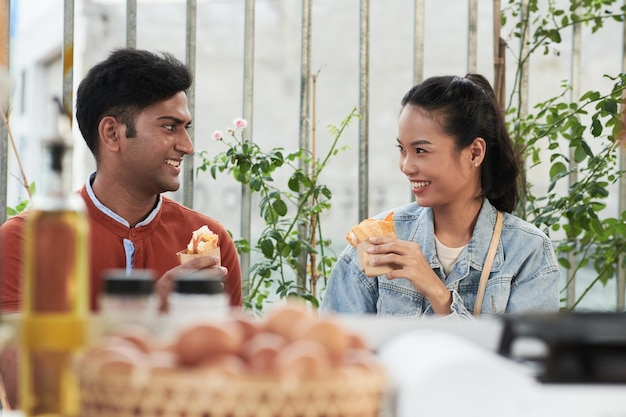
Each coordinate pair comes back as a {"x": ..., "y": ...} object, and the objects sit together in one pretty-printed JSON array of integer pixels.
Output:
[{"x": 440, "y": 175}]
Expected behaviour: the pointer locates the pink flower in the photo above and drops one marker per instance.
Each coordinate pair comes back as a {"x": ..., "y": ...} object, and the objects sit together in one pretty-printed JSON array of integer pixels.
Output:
[
  {"x": 240, "y": 123},
  {"x": 217, "y": 135}
]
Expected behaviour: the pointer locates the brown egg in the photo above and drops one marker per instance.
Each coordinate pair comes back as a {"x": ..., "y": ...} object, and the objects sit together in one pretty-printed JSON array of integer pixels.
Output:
[
  {"x": 119, "y": 359},
  {"x": 116, "y": 341},
  {"x": 260, "y": 351},
  {"x": 356, "y": 341},
  {"x": 203, "y": 340},
  {"x": 139, "y": 335},
  {"x": 162, "y": 360},
  {"x": 226, "y": 364},
  {"x": 360, "y": 358},
  {"x": 303, "y": 359},
  {"x": 249, "y": 325},
  {"x": 284, "y": 318},
  {"x": 325, "y": 331}
]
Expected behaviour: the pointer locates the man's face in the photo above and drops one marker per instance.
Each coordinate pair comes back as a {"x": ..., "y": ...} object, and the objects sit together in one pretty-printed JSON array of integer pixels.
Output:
[{"x": 150, "y": 161}]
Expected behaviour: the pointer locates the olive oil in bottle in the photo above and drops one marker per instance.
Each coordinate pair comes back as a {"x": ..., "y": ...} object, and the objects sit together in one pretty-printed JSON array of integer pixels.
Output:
[{"x": 56, "y": 287}]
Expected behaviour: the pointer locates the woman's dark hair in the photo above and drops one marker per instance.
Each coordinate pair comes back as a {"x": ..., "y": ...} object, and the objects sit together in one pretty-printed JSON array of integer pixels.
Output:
[
  {"x": 466, "y": 108},
  {"x": 128, "y": 81}
]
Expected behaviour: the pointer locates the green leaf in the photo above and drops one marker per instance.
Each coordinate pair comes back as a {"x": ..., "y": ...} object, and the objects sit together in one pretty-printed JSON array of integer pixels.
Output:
[
  {"x": 557, "y": 169},
  {"x": 610, "y": 106},
  {"x": 267, "y": 247},
  {"x": 280, "y": 207},
  {"x": 326, "y": 192},
  {"x": 580, "y": 154},
  {"x": 294, "y": 182},
  {"x": 596, "y": 226},
  {"x": 564, "y": 262},
  {"x": 256, "y": 183},
  {"x": 596, "y": 128},
  {"x": 285, "y": 251},
  {"x": 554, "y": 35},
  {"x": 244, "y": 165}
]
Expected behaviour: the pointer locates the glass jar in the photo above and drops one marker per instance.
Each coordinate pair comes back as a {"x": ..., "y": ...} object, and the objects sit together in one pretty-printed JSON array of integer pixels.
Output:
[
  {"x": 128, "y": 296},
  {"x": 198, "y": 295}
]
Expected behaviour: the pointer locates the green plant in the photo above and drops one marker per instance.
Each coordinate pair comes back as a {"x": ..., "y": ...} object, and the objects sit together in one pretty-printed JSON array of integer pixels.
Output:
[
  {"x": 283, "y": 209},
  {"x": 560, "y": 132}
]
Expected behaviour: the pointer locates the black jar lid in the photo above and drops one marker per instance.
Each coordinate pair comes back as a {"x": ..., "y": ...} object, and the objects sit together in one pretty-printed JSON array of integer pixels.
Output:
[
  {"x": 198, "y": 282},
  {"x": 122, "y": 282}
]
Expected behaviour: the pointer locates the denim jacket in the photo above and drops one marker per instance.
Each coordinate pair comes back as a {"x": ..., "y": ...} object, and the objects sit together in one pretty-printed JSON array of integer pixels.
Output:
[{"x": 524, "y": 276}]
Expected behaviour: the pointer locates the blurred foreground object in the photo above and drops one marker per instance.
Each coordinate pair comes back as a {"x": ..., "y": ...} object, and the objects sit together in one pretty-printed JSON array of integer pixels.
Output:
[
  {"x": 289, "y": 363},
  {"x": 56, "y": 297},
  {"x": 583, "y": 348}
]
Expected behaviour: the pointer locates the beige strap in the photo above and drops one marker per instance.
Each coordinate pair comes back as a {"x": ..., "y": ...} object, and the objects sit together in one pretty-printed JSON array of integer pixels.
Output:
[{"x": 487, "y": 266}]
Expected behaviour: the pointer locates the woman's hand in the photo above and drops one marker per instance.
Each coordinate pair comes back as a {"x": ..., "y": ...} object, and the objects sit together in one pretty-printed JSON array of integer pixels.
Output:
[
  {"x": 407, "y": 261},
  {"x": 164, "y": 285}
]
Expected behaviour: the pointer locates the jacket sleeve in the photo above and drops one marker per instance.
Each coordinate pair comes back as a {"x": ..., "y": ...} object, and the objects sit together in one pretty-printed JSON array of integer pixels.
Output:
[
  {"x": 349, "y": 290},
  {"x": 458, "y": 307},
  {"x": 536, "y": 289}
]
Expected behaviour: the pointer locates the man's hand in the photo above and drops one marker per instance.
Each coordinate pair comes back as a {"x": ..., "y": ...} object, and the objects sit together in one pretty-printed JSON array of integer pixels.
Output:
[{"x": 163, "y": 286}]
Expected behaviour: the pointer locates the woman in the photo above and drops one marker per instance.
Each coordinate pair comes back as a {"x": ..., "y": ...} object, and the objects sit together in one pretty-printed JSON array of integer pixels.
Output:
[{"x": 462, "y": 169}]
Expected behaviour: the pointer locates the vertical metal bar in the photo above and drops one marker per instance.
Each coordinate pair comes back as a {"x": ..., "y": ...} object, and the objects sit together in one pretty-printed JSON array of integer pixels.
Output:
[
  {"x": 190, "y": 58},
  {"x": 573, "y": 176},
  {"x": 621, "y": 271},
  {"x": 472, "y": 36},
  {"x": 305, "y": 73},
  {"x": 418, "y": 50},
  {"x": 364, "y": 109},
  {"x": 5, "y": 21},
  {"x": 248, "y": 101},
  {"x": 68, "y": 56},
  {"x": 418, "y": 42},
  {"x": 305, "y": 114},
  {"x": 525, "y": 51},
  {"x": 499, "y": 47},
  {"x": 131, "y": 23}
]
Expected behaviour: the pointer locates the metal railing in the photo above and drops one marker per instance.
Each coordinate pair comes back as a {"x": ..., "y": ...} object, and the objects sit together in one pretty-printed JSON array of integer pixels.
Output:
[{"x": 305, "y": 90}]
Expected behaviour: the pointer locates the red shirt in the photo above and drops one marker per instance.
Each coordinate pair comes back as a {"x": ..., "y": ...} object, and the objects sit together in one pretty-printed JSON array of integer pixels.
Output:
[{"x": 156, "y": 245}]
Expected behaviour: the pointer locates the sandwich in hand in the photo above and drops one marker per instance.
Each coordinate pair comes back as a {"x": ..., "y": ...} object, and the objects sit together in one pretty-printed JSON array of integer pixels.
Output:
[
  {"x": 203, "y": 243},
  {"x": 358, "y": 237}
]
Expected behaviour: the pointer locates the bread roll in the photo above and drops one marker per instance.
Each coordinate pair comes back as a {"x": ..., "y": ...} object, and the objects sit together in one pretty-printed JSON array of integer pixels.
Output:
[
  {"x": 371, "y": 227},
  {"x": 358, "y": 236}
]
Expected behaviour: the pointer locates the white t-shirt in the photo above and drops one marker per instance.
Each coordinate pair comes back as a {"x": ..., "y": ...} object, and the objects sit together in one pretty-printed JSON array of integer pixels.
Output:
[{"x": 447, "y": 256}]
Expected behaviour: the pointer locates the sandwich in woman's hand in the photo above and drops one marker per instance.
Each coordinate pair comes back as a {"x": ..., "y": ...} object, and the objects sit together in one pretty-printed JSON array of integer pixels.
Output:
[
  {"x": 203, "y": 243},
  {"x": 358, "y": 237}
]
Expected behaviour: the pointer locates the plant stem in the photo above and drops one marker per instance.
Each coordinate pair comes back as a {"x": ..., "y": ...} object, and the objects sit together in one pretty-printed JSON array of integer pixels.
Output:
[
  {"x": 313, "y": 220},
  {"x": 25, "y": 182}
]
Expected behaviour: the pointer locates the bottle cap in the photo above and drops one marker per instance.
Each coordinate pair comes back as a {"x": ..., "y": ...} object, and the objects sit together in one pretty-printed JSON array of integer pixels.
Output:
[
  {"x": 198, "y": 282},
  {"x": 121, "y": 282}
]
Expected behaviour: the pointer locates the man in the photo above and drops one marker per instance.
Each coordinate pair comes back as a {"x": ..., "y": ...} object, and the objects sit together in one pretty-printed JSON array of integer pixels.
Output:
[{"x": 133, "y": 114}]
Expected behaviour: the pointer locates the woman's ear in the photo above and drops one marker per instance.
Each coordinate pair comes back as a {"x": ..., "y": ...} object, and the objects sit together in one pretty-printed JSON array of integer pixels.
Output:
[
  {"x": 108, "y": 133},
  {"x": 477, "y": 151}
]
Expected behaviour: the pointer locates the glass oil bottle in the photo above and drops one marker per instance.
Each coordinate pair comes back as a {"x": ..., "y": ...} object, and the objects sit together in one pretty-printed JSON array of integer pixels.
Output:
[{"x": 55, "y": 304}]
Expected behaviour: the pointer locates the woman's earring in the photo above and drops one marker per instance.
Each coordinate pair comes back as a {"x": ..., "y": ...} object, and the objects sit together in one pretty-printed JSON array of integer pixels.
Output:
[{"x": 476, "y": 164}]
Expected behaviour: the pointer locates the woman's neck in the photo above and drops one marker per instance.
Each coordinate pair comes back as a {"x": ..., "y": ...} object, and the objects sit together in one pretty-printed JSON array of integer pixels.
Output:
[{"x": 454, "y": 226}]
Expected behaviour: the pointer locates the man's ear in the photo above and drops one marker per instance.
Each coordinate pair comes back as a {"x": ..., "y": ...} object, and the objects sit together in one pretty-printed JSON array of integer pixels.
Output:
[{"x": 109, "y": 133}]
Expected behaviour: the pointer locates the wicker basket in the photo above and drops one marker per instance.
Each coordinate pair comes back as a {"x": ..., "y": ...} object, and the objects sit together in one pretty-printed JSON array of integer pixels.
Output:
[{"x": 353, "y": 393}]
